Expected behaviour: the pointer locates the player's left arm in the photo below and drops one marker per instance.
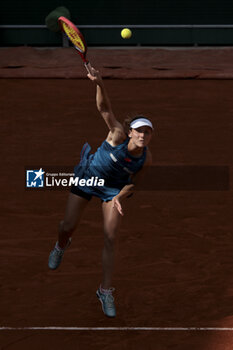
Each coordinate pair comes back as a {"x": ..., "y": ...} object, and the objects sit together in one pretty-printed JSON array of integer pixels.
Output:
[{"x": 137, "y": 180}]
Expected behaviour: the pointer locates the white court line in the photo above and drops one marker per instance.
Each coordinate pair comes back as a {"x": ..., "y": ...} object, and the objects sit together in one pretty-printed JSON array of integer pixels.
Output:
[{"x": 117, "y": 328}]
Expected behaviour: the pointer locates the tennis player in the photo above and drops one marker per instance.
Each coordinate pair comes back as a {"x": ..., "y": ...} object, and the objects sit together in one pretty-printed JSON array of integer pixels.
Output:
[{"x": 121, "y": 161}]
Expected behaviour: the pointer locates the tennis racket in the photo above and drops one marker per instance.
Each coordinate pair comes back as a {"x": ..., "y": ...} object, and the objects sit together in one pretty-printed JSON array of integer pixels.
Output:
[{"x": 77, "y": 39}]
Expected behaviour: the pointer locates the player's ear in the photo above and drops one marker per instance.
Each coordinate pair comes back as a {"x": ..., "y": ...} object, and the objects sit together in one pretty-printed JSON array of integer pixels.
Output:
[{"x": 130, "y": 133}]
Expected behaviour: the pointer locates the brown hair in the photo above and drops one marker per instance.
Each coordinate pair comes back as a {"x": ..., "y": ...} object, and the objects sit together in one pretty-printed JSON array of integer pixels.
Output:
[{"x": 128, "y": 121}]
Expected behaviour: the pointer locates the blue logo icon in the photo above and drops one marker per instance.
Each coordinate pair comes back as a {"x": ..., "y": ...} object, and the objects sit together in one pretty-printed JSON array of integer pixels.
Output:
[{"x": 35, "y": 178}]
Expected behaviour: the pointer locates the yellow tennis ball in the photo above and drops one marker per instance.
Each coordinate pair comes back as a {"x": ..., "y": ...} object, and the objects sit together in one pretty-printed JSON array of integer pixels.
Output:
[{"x": 126, "y": 33}]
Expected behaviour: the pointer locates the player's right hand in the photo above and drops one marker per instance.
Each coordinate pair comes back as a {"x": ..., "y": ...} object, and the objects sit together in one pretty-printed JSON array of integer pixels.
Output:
[{"x": 95, "y": 76}]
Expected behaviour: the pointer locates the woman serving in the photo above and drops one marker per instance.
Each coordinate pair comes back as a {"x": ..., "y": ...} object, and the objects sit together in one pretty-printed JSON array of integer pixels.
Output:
[{"x": 121, "y": 161}]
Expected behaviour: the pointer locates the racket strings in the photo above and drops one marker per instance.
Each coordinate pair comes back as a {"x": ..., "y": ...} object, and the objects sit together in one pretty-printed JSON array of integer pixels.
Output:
[{"x": 74, "y": 37}]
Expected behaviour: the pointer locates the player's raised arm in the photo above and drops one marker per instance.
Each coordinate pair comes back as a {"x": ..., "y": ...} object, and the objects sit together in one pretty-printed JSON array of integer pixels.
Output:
[{"x": 103, "y": 103}]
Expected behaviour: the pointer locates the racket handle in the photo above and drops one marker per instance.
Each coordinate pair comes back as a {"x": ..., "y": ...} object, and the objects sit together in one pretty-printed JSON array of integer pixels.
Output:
[{"x": 88, "y": 67}]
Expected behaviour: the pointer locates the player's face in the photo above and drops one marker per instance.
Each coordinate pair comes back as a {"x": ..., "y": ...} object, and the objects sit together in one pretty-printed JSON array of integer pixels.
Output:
[{"x": 141, "y": 136}]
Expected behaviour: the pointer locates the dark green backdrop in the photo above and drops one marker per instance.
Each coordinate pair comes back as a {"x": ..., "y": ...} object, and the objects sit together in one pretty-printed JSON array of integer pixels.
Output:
[{"x": 125, "y": 12}]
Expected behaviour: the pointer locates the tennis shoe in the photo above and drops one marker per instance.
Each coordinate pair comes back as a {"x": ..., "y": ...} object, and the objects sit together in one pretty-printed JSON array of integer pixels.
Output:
[
  {"x": 107, "y": 301},
  {"x": 56, "y": 255}
]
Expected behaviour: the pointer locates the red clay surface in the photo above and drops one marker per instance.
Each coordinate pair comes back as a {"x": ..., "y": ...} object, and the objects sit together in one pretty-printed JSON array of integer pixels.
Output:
[{"x": 174, "y": 256}]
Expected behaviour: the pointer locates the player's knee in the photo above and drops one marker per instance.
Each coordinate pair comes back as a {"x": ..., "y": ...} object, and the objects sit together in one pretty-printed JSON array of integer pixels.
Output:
[
  {"x": 109, "y": 243},
  {"x": 110, "y": 228},
  {"x": 109, "y": 238},
  {"x": 66, "y": 227}
]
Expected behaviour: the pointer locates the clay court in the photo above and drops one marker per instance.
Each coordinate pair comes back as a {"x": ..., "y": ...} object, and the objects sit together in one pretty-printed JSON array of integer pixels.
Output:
[{"x": 174, "y": 255}]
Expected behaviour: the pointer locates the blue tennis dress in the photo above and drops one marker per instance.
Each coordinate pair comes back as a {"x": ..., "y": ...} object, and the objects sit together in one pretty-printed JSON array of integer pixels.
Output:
[{"x": 115, "y": 165}]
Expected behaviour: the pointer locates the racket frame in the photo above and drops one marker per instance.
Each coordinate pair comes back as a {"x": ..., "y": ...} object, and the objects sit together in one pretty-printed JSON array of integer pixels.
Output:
[{"x": 63, "y": 20}]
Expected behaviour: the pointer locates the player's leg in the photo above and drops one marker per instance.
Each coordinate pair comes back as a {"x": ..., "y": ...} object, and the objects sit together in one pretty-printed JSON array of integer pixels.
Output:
[
  {"x": 74, "y": 209},
  {"x": 112, "y": 220}
]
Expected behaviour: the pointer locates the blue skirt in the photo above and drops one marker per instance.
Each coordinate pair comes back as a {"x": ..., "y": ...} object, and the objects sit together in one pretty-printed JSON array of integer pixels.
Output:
[{"x": 84, "y": 171}]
